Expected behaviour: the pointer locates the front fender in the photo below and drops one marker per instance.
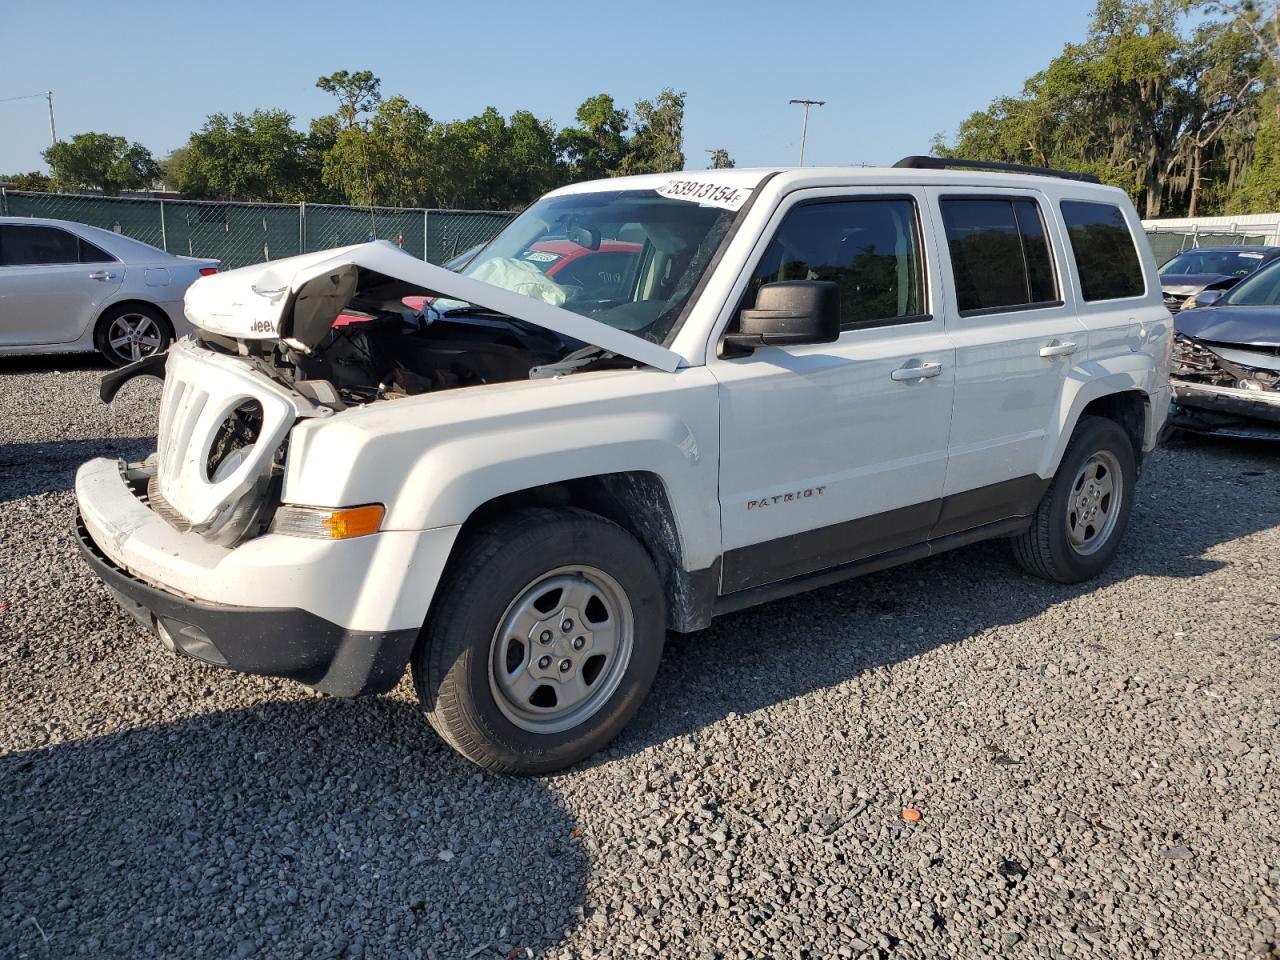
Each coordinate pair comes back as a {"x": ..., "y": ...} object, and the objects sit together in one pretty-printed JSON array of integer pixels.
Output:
[{"x": 434, "y": 463}]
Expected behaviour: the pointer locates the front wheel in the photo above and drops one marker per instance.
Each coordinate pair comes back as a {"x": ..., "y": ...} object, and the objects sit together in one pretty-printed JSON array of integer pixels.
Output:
[
  {"x": 543, "y": 642},
  {"x": 1077, "y": 527}
]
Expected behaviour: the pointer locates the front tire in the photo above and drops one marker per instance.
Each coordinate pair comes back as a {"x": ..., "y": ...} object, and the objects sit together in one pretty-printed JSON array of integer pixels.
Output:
[
  {"x": 1077, "y": 527},
  {"x": 130, "y": 332},
  {"x": 543, "y": 642}
]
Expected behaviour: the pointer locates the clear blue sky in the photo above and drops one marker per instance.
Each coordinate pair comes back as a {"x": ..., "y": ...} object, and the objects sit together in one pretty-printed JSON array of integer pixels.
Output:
[{"x": 893, "y": 73}]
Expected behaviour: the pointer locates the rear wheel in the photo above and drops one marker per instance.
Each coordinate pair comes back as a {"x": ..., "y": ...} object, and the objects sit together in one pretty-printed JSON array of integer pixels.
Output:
[
  {"x": 1078, "y": 525},
  {"x": 543, "y": 643},
  {"x": 132, "y": 332}
]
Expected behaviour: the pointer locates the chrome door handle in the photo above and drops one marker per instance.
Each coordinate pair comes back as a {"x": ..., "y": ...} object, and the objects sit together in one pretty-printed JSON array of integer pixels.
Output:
[
  {"x": 916, "y": 371},
  {"x": 102, "y": 275},
  {"x": 1059, "y": 348}
]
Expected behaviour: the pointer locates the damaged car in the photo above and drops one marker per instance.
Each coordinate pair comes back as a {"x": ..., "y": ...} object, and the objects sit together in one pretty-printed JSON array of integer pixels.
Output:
[
  {"x": 1210, "y": 271},
  {"x": 1226, "y": 361},
  {"x": 648, "y": 402}
]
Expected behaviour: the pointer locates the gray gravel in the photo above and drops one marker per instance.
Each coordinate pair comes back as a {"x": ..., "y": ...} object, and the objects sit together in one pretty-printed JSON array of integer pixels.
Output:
[{"x": 1095, "y": 767}]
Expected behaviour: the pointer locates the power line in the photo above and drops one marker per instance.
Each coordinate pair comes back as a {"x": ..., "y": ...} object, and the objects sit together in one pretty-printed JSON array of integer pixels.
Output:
[{"x": 47, "y": 95}]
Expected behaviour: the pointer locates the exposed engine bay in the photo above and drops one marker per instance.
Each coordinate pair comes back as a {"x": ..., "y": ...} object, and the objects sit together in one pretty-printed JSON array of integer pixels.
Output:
[{"x": 355, "y": 336}]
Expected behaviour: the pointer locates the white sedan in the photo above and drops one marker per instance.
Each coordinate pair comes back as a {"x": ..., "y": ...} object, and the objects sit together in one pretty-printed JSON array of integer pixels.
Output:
[{"x": 68, "y": 287}]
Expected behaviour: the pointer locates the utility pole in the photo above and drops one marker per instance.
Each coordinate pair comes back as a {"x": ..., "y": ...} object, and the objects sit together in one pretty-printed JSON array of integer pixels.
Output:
[
  {"x": 804, "y": 125},
  {"x": 53, "y": 129}
]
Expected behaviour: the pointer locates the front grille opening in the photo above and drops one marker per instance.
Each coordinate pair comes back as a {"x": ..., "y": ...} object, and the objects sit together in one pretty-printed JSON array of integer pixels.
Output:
[{"x": 239, "y": 431}]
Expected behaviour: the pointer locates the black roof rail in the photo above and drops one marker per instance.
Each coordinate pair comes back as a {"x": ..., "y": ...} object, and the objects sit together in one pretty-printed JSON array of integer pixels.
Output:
[{"x": 943, "y": 163}]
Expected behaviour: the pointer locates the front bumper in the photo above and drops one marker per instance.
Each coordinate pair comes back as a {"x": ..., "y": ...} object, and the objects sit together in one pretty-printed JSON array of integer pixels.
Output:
[
  {"x": 1222, "y": 406},
  {"x": 273, "y": 641},
  {"x": 340, "y": 616}
]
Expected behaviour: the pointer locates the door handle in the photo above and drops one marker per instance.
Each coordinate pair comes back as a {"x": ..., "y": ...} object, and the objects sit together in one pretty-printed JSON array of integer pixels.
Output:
[
  {"x": 102, "y": 275},
  {"x": 1059, "y": 348},
  {"x": 915, "y": 370}
]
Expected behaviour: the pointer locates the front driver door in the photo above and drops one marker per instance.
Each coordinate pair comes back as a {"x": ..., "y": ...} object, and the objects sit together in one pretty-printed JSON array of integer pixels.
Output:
[
  {"x": 52, "y": 284},
  {"x": 836, "y": 452}
]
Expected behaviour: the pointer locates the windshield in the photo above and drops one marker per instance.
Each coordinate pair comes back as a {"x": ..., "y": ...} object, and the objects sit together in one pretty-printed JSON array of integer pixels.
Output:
[
  {"x": 1227, "y": 263},
  {"x": 1261, "y": 289},
  {"x": 627, "y": 258}
]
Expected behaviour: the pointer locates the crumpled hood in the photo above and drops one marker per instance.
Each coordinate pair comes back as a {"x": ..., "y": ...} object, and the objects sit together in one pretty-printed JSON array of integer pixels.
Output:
[
  {"x": 257, "y": 302},
  {"x": 1185, "y": 284},
  {"x": 1246, "y": 326}
]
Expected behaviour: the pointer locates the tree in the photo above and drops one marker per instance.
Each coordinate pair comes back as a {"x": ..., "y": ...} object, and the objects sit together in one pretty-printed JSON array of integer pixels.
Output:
[
  {"x": 657, "y": 146},
  {"x": 1142, "y": 103},
  {"x": 720, "y": 159},
  {"x": 35, "y": 181},
  {"x": 259, "y": 156},
  {"x": 1260, "y": 189},
  {"x": 357, "y": 93},
  {"x": 596, "y": 147},
  {"x": 99, "y": 161},
  {"x": 388, "y": 164}
]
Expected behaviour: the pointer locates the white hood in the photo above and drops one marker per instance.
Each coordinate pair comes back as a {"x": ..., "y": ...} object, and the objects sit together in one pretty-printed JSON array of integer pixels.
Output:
[{"x": 252, "y": 302}]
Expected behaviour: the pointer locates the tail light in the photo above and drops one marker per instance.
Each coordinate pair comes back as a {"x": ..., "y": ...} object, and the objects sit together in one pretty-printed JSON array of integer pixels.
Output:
[{"x": 208, "y": 271}]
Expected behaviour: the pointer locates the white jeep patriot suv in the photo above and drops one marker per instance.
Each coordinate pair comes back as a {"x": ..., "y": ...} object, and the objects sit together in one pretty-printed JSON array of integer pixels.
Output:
[{"x": 648, "y": 401}]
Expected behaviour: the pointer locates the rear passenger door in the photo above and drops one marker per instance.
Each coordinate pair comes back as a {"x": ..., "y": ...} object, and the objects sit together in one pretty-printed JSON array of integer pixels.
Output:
[
  {"x": 1013, "y": 322},
  {"x": 1120, "y": 317},
  {"x": 835, "y": 452}
]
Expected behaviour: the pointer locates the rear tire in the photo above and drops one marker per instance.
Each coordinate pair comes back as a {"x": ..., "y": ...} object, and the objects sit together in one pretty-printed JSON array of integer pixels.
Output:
[
  {"x": 543, "y": 642},
  {"x": 130, "y": 332},
  {"x": 1077, "y": 527}
]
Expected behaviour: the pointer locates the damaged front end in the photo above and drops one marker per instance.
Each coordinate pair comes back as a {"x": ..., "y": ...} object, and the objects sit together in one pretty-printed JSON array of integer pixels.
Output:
[
  {"x": 311, "y": 336},
  {"x": 1225, "y": 388}
]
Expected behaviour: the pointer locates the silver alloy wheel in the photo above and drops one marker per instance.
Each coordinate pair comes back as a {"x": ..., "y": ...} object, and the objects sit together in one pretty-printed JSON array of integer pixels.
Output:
[
  {"x": 1094, "y": 503},
  {"x": 561, "y": 649},
  {"x": 134, "y": 335}
]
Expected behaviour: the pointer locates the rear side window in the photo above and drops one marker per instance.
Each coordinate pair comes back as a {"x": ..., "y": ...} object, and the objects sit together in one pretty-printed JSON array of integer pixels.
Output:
[
  {"x": 1106, "y": 257},
  {"x": 23, "y": 246},
  {"x": 869, "y": 248},
  {"x": 1000, "y": 254}
]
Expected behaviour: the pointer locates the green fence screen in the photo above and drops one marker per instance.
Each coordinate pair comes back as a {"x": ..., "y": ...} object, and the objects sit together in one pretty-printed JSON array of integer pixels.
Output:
[{"x": 242, "y": 233}]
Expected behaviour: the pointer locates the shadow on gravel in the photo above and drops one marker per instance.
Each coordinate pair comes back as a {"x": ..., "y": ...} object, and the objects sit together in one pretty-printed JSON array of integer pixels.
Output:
[
  {"x": 315, "y": 828},
  {"x": 30, "y": 469},
  {"x": 1214, "y": 492}
]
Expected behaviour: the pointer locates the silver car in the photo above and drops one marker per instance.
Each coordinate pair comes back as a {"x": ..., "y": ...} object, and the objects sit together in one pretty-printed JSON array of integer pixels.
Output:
[{"x": 68, "y": 287}]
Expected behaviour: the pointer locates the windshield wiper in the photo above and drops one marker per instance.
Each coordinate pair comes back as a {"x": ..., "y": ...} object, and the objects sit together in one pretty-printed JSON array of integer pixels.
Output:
[{"x": 574, "y": 361}]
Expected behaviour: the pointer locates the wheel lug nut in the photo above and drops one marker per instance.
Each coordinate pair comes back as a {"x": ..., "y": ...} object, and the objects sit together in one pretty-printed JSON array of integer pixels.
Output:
[
  {"x": 544, "y": 662},
  {"x": 579, "y": 642},
  {"x": 566, "y": 626},
  {"x": 544, "y": 637},
  {"x": 565, "y": 665}
]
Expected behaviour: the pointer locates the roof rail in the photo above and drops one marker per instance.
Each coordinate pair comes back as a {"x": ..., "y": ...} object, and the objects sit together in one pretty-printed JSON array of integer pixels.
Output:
[{"x": 942, "y": 163}]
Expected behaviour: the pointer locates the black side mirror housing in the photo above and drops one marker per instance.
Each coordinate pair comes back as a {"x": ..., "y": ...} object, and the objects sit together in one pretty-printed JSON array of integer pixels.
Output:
[
  {"x": 1207, "y": 298},
  {"x": 789, "y": 312}
]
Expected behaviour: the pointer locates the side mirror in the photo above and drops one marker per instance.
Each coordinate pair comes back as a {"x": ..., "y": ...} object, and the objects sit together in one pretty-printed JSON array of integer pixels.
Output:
[
  {"x": 1207, "y": 298},
  {"x": 789, "y": 312}
]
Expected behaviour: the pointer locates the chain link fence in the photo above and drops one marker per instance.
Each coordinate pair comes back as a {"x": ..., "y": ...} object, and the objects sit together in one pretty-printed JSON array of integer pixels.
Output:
[
  {"x": 1168, "y": 243},
  {"x": 242, "y": 233}
]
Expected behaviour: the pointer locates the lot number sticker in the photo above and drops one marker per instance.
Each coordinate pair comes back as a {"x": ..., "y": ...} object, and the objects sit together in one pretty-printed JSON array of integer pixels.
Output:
[{"x": 708, "y": 194}]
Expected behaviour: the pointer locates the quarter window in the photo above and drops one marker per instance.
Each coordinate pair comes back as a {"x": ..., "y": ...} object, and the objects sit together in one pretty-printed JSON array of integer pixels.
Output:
[
  {"x": 1000, "y": 254},
  {"x": 869, "y": 248},
  {"x": 1106, "y": 257}
]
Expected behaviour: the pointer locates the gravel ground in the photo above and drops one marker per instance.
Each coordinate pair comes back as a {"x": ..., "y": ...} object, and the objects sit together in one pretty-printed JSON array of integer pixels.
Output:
[{"x": 1095, "y": 767}]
